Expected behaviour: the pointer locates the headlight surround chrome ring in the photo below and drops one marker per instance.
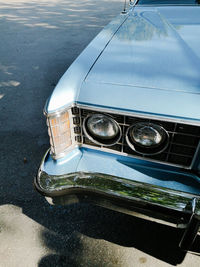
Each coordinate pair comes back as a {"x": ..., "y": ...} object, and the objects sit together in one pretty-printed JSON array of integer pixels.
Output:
[
  {"x": 98, "y": 140},
  {"x": 151, "y": 149}
]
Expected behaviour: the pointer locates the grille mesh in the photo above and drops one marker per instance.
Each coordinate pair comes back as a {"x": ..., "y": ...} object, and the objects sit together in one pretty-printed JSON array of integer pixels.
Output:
[{"x": 183, "y": 138}]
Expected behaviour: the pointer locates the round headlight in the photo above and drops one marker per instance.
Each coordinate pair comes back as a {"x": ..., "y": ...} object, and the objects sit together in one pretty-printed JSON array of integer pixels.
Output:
[
  {"x": 146, "y": 135},
  {"x": 102, "y": 129},
  {"x": 147, "y": 138}
]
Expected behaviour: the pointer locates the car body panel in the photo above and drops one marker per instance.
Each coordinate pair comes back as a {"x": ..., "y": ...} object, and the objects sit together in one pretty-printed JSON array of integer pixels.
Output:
[
  {"x": 142, "y": 100},
  {"x": 143, "y": 66},
  {"x": 149, "y": 51},
  {"x": 178, "y": 57},
  {"x": 89, "y": 160},
  {"x": 67, "y": 90}
]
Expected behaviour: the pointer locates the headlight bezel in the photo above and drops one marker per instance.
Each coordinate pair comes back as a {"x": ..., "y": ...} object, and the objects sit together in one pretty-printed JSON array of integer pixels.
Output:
[
  {"x": 169, "y": 155},
  {"x": 100, "y": 141},
  {"x": 145, "y": 150}
]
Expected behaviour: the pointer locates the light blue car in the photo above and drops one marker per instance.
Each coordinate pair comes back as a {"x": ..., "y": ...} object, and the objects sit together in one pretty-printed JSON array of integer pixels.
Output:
[{"x": 124, "y": 120}]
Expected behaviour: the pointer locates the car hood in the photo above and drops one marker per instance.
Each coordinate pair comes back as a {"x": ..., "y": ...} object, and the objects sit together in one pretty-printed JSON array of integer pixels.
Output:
[
  {"x": 147, "y": 61},
  {"x": 154, "y": 48}
]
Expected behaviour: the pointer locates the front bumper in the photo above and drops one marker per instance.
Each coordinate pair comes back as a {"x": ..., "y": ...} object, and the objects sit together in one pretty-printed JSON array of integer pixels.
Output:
[{"x": 132, "y": 196}]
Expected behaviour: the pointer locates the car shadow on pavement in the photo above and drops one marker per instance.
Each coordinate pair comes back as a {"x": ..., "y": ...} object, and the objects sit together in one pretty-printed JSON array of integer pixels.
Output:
[
  {"x": 154, "y": 239},
  {"x": 81, "y": 221}
]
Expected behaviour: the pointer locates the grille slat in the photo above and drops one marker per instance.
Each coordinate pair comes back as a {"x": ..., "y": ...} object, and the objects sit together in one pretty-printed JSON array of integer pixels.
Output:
[{"x": 182, "y": 146}]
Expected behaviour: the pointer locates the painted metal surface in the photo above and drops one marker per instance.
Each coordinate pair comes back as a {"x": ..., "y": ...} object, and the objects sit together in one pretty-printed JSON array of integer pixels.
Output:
[
  {"x": 67, "y": 90},
  {"x": 149, "y": 56},
  {"x": 89, "y": 160},
  {"x": 146, "y": 61},
  {"x": 150, "y": 51},
  {"x": 153, "y": 61},
  {"x": 167, "y": 104}
]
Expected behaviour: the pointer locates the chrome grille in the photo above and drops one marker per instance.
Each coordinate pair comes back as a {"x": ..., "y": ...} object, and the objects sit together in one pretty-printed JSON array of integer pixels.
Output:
[{"x": 183, "y": 138}]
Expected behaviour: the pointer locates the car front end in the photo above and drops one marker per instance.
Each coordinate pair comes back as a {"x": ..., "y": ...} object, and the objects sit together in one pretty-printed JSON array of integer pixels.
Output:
[{"x": 124, "y": 122}]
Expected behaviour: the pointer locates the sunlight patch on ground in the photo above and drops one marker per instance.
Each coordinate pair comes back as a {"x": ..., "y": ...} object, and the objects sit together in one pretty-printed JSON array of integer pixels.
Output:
[
  {"x": 6, "y": 69},
  {"x": 30, "y": 13},
  {"x": 9, "y": 84},
  {"x": 44, "y": 25},
  {"x": 12, "y": 17},
  {"x": 20, "y": 238}
]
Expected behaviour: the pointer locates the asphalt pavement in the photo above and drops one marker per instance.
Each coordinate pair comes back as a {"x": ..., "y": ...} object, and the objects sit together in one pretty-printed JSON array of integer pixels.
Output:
[{"x": 39, "y": 39}]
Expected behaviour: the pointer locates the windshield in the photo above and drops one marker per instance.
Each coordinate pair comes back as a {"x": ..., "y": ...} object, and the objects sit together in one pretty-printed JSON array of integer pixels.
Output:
[{"x": 169, "y": 2}]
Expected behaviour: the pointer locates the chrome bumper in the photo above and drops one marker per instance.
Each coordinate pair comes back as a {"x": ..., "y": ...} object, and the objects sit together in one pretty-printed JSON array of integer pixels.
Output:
[{"x": 139, "y": 199}]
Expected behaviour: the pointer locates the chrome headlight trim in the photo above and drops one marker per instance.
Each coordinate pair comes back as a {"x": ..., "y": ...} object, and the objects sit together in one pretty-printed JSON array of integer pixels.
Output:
[
  {"x": 152, "y": 150},
  {"x": 79, "y": 139},
  {"x": 97, "y": 140}
]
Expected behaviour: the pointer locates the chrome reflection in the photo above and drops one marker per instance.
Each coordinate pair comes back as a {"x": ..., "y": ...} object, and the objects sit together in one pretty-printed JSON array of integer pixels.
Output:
[{"x": 115, "y": 186}]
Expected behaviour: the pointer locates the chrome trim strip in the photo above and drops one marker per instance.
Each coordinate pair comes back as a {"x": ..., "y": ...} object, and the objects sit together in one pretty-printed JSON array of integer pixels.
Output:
[
  {"x": 119, "y": 187},
  {"x": 125, "y": 113},
  {"x": 139, "y": 115},
  {"x": 71, "y": 127},
  {"x": 64, "y": 153},
  {"x": 195, "y": 158},
  {"x": 58, "y": 112},
  {"x": 146, "y": 201},
  {"x": 132, "y": 4},
  {"x": 149, "y": 194}
]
